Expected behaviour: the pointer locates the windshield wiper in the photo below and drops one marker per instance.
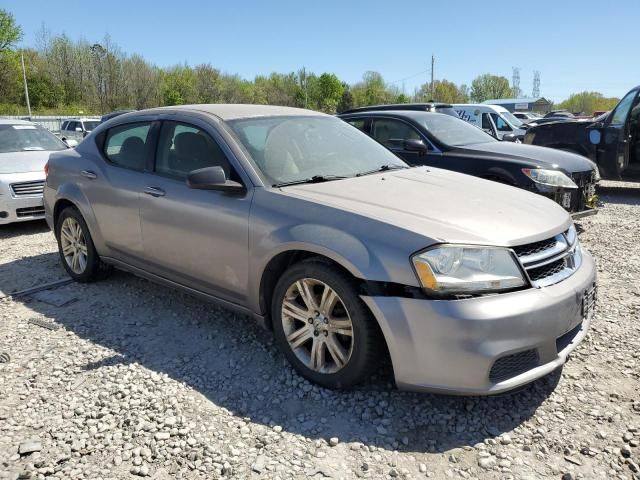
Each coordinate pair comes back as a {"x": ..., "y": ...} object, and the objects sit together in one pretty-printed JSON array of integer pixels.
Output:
[
  {"x": 314, "y": 179},
  {"x": 382, "y": 168}
]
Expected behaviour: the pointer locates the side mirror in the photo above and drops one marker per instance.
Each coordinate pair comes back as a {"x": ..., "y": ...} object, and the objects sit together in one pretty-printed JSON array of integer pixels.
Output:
[
  {"x": 70, "y": 142},
  {"x": 595, "y": 136},
  {"x": 78, "y": 129},
  {"x": 509, "y": 137},
  {"x": 415, "y": 145},
  {"x": 212, "y": 178}
]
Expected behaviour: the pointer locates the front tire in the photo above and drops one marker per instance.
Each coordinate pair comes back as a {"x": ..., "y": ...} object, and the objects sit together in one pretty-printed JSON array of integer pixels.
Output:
[
  {"x": 75, "y": 246},
  {"x": 323, "y": 327}
]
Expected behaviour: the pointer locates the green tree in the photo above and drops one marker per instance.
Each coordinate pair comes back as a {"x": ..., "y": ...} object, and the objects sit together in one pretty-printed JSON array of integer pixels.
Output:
[
  {"x": 10, "y": 32},
  {"x": 588, "y": 102},
  {"x": 330, "y": 91},
  {"x": 443, "y": 91},
  {"x": 346, "y": 101},
  {"x": 487, "y": 86}
]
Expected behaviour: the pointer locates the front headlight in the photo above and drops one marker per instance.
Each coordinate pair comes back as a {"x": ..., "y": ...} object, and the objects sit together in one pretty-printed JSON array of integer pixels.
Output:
[
  {"x": 450, "y": 269},
  {"x": 551, "y": 178}
]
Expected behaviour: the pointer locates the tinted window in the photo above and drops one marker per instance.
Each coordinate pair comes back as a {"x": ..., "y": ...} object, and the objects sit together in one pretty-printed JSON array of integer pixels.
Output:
[
  {"x": 183, "y": 148},
  {"x": 486, "y": 123},
  {"x": 90, "y": 125},
  {"x": 359, "y": 123},
  {"x": 621, "y": 112},
  {"x": 126, "y": 145},
  {"x": 64, "y": 125},
  {"x": 25, "y": 138},
  {"x": 500, "y": 124},
  {"x": 393, "y": 133}
]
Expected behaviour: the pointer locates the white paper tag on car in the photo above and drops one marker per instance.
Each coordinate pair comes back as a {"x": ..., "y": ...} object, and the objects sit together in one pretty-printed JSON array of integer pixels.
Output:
[{"x": 24, "y": 127}]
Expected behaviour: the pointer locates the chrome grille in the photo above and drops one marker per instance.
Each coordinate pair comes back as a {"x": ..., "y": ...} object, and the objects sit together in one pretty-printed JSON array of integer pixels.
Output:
[
  {"x": 28, "y": 189},
  {"x": 551, "y": 260},
  {"x": 30, "y": 212}
]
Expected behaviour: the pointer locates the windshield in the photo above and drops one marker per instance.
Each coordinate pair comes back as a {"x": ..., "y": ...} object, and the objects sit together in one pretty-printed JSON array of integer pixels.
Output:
[
  {"x": 511, "y": 119},
  {"x": 88, "y": 126},
  {"x": 289, "y": 149},
  {"x": 447, "y": 111},
  {"x": 24, "y": 138},
  {"x": 453, "y": 132}
]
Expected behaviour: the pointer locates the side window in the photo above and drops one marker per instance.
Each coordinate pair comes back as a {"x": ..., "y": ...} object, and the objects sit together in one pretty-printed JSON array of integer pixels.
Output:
[
  {"x": 359, "y": 123},
  {"x": 183, "y": 148},
  {"x": 393, "y": 133},
  {"x": 126, "y": 145},
  {"x": 486, "y": 123},
  {"x": 501, "y": 125},
  {"x": 71, "y": 126},
  {"x": 621, "y": 112},
  {"x": 64, "y": 125}
]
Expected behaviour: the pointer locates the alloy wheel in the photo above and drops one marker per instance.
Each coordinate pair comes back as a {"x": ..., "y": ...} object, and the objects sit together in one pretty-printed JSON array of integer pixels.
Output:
[
  {"x": 317, "y": 325},
  {"x": 74, "y": 245}
]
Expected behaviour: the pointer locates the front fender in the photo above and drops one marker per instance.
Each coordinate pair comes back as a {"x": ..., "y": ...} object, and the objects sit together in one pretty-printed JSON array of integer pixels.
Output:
[{"x": 339, "y": 246}]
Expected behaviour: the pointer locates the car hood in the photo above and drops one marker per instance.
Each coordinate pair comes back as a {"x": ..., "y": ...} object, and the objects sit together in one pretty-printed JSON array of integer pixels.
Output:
[
  {"x": 22, "y": 162},
  {"x": 444, "y": 206},
  {"x": 530, "y": 154}
]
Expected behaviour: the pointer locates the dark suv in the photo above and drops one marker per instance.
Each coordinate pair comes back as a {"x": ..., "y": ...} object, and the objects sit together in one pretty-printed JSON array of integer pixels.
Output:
[{"x": 424, "y": 138}]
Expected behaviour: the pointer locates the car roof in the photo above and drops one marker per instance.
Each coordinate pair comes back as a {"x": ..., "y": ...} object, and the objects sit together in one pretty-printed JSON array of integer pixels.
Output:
[
  {"x": 12, "y": 121},
  {"x": 236, "y": 111},
  {"x": 412, "y": 114},
  {"x": 399, "y": 106}
]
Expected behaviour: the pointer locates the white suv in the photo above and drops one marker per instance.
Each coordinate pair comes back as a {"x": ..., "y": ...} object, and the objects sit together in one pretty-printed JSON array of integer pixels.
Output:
[{"x": 77, "y": 128}]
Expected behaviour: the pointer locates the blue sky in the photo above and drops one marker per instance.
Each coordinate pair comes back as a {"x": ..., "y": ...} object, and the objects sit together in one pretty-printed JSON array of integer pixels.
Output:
[{"x": 576, "y": 45}]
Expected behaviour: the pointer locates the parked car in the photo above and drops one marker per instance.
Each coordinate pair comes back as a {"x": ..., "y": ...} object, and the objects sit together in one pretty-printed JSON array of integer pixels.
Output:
[
  {"x": 437, "y": 107},
  {"x": 497, "y": 121},
  {"x": 77, "y": 128},
  {"x": 559, "y": 113},
  {"x": 436, "y": 140},
  {"x": 526, "y": 117},
  {"x": 612, "y": 140},
  {"x": 309, "y": 225},
  {"x": 24, "y": 150}
]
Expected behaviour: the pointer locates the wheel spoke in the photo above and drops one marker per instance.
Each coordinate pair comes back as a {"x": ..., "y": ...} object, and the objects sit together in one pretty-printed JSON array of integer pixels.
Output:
[
  {"x": 336, "y": 351},
  {"x": 74, "y": 262},
  {"x": 328, "y": 300},
  {"x": 299, "y": 337},
  {"x": 306, "y": 294},
  {"x": 342, "y": 327},
  {"x": 316, "y": 359},
  {"x": 83, "y": 250},
  {"x": 290, "y": 309},
  {"x": 67, "y": 250},
  {"x": 66, "y": 233}
]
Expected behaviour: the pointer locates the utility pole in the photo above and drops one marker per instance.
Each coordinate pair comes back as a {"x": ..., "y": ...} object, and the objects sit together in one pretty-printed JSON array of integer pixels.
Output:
[
  {"x": 433, "y": 61},
  {"x": 26, "y": 89}
]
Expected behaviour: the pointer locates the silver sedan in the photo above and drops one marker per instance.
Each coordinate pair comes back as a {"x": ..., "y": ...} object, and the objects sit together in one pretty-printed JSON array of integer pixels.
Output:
[
  {"x": 308, "y": 225},
  {"x": 24, "y": 151}
]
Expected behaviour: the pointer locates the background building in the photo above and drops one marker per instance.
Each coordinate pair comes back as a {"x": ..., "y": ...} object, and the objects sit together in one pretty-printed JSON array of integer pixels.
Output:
[{"x": 540, "y": 104}]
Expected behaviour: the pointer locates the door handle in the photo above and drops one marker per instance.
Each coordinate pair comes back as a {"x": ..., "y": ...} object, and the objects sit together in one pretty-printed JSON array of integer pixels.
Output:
[
  {"x": 154, "y": 191},
  {"x": 89, "y": 174}
]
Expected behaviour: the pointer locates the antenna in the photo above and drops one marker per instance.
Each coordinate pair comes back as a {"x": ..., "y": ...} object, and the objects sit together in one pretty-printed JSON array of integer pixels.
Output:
[
  {"x": 536, "y": 84},
  {"x": 515, "y": 82}
]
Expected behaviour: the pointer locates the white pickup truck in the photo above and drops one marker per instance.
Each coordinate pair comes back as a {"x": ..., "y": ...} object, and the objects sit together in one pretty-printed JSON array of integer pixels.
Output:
[{"x": 77, "y": 128}]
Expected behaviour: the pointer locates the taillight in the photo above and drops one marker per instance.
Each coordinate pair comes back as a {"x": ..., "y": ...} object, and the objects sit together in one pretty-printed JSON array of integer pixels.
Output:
[{"x": 46, "y": 170}]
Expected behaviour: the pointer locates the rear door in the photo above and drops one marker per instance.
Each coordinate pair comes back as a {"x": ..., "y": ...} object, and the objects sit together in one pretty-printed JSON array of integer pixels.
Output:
[
  {"x": 113, "y": 188},
  {"x": 198, "y": 238},
  {"x": 612, "y": 152}
]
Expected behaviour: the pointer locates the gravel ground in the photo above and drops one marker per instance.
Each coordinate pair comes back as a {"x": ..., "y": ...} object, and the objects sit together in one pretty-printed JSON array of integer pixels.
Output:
[{"x": 142, "y": 381}]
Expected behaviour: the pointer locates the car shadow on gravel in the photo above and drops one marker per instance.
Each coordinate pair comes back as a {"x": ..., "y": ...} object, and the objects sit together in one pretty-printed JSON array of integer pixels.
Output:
[
  {"x": 235, "y": 364},
  {"x": 13, "y": 230}
]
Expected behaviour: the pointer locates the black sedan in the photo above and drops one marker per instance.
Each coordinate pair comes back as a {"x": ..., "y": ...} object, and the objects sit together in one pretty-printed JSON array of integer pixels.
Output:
[{"x": 422, "y": 138}]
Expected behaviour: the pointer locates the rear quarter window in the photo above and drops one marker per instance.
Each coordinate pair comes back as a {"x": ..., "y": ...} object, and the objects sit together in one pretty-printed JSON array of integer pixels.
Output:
[{"x": 126, "y": 145}]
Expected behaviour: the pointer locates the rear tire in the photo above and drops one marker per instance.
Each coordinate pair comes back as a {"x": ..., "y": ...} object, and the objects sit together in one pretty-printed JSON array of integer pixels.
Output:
[
  {"x": 323, "y": 327},
  {"x": 76, "y": 249}
]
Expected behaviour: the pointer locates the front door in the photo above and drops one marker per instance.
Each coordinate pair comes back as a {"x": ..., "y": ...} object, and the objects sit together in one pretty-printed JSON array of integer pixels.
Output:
[
  {"x": 392, "y": 133},
  {"x": 612, "y": 152},
  {"x": 198, "y": 238},
  {"x": 113, "y": 188}
]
